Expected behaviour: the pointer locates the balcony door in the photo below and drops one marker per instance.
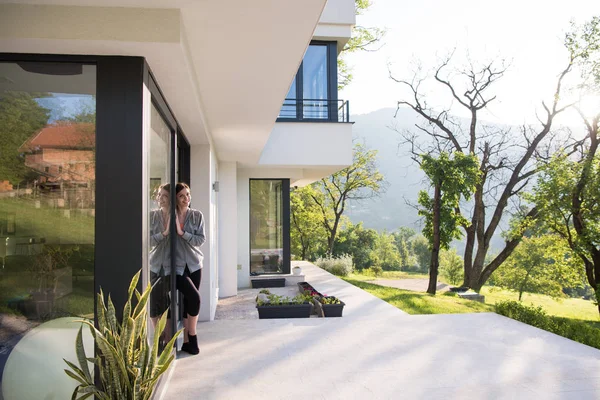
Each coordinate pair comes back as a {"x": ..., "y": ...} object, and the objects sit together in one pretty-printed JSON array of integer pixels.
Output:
[
  {"x": 313, "y": 93},
  {"x": 315, "y": 83},
  {"x": 269, "y": 226}
]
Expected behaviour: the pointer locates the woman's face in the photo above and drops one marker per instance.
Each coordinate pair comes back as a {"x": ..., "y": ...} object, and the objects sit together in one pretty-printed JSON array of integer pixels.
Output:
[
  {"x": 184, "y": 198},
  {"x": 163, "y": 198}
]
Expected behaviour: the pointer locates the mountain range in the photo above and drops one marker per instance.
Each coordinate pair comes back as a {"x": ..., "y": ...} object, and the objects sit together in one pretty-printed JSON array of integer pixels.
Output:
[
  {"x": 403, "y": 176},
  {"x": 379, "y": 130}
]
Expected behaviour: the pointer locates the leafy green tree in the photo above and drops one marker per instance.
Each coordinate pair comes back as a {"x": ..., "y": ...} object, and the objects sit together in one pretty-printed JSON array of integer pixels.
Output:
[
  {"x": 422, "y": 252},
  {"x": 402, "y": 241},
  {"x": 359, "y": 242},
  {"x": 568, "y": 198},
  {"x": 20, "y": 117},
  {"x": 386, "y": 252},
  {"x": 540, "y": 264},
  {"x": 568, "y": 192},
  {"x": 451, "y": 266},
  {"x": 452, "y": 179},
  {"x": 362, "y": 180},
  {"x": 362, "y": 39},
  {"x": 307, "y": 234},
  {"x": 506, "y": 155}
]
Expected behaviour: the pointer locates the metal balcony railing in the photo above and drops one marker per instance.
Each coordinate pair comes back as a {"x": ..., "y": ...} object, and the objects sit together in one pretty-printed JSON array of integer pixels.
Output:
[{"x": 314, "y": 110}]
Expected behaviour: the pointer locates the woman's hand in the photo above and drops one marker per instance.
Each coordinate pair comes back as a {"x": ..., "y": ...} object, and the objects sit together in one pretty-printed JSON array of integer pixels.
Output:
[
  {"x": 165, "y": 233},
  {"x": 180, "y": 231}
]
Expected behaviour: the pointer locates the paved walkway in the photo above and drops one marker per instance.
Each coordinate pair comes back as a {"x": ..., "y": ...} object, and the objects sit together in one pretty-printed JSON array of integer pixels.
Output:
[{"x": 378, "y": 352}]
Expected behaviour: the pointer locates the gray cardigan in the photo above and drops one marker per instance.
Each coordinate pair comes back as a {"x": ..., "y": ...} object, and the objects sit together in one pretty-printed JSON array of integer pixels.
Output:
[{"x": 187, "y": 246}]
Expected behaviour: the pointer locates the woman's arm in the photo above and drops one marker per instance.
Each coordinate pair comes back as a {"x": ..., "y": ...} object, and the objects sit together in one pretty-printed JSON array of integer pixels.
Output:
[
  {"x": 157, "y": 234},
  {"x": 197, "y": 237}
]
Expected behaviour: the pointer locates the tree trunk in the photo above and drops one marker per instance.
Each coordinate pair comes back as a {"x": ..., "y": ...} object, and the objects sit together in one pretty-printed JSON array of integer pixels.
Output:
[
  {"x": 333, "y": 233},
  {"x": 435, "y": 250}
]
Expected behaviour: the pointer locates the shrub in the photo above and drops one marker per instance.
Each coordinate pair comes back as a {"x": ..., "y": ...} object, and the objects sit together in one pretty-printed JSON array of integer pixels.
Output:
[
  {"x": 575, "y": 330},
  {"x": 341, "y": 265},
  {"x": 128, "y": 365}
]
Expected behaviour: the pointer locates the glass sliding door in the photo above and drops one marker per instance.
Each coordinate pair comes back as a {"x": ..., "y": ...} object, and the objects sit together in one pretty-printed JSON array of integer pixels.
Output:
[
  {"x": 47, "y": 200},
  {"x": 159, "y": 200},
  {"x": 313, "y": 93},
  {"x": 315, "y": 83},
  {"x": 269, "y": 226}
]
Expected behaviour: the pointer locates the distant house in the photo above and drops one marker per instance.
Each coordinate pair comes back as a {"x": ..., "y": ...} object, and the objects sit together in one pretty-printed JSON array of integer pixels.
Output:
[{"x": 62, "y": 154}]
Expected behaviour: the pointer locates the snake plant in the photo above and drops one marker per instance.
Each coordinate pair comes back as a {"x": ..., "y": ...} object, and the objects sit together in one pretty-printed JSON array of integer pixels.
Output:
[{"x": 128, "y": 365}]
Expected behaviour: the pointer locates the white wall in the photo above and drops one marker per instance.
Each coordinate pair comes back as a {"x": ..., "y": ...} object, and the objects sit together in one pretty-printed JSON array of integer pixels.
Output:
[
  {"x": 243, "y": 212},
  {"x": 228, "y": 229},
  {"x": 243, "y": 224},
  {"x": 203, "y": 174},
  {"x": 310, "y": 144},
  {"x": 336, "y": 22},
  {"x": 338, "y": 12}
]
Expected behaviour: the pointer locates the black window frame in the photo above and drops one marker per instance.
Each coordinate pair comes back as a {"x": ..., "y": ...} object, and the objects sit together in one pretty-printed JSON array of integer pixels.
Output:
[
  {"x": 332, "y": 90},
  {"x": 285, "y": 199},
  {"x": 118, "y": 241}
]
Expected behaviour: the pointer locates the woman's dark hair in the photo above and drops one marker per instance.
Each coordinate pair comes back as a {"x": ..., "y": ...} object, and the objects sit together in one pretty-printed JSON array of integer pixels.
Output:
[{"x": 179, "y": 186}]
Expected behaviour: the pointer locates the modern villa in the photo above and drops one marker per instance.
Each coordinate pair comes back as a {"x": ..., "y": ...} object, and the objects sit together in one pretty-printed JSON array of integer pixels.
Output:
[{"x": 237, "y": 98}]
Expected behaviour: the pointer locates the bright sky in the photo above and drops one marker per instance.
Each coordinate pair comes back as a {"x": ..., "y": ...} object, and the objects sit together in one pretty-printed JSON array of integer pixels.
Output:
[{"x": 528, "y": 33}]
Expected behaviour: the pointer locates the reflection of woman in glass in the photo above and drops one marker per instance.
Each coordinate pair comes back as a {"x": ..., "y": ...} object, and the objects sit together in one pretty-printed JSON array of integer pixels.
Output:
[
  {"x": 160, "y": 255},
  {"x": 188, "y": 263}
]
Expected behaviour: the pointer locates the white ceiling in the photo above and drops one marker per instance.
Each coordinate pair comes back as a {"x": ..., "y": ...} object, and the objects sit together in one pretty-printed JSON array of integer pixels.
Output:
[{"x": 224, "y": 66}]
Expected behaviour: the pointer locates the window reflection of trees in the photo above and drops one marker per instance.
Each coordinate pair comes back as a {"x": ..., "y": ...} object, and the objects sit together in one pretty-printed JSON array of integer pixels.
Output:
[
  {"x": 47, "y": 204},
  {"x": 266, "y": 239}
]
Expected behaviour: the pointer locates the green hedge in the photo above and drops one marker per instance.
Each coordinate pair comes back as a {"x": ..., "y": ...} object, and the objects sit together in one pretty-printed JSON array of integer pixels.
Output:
[{"x": 571, "y": 329}]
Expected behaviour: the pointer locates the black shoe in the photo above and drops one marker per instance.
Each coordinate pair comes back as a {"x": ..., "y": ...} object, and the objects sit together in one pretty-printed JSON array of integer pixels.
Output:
[
  {"x": 191, "y": 347},
  {"x": 185, "y": 347}
]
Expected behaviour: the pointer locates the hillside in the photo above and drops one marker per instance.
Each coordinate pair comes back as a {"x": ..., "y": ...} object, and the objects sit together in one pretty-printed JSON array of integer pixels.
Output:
[
  {"x": 392, "y": 209},
  {"x": 403, "y": 176}
]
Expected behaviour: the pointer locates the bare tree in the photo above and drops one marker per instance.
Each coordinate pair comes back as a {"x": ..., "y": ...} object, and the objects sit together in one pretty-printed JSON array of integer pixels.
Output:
[{"x": 506, "y": 156}]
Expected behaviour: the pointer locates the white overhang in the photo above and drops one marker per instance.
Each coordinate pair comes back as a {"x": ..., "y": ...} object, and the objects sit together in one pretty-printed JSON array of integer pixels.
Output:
[{"x": 224, "y": 66}]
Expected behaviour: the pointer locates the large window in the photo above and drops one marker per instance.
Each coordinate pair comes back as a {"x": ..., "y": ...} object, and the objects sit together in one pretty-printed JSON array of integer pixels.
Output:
[
  {"x": 159, "y": 168},
  {"x": 313, "y": 93},
  {"x": 269, "y": 226},
  {"x": 47, "y": 195}
]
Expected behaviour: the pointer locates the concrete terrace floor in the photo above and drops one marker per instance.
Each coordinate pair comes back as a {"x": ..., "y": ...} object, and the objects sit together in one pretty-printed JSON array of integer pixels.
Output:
[{"x": 376, "y": 351}]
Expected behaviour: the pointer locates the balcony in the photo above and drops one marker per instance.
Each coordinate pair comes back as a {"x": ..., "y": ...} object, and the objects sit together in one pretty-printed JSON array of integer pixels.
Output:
[{"x": 314, "y": 110}]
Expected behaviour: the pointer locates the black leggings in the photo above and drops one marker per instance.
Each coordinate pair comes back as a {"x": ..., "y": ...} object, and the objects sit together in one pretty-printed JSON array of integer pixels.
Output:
[{"x": 188, "y": 284}]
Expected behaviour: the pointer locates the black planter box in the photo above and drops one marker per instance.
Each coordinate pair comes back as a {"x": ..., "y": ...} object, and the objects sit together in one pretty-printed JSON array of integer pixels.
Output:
[
  {"x": 307, "y": 287},
  {"x": 284, "y": 311},
  {"x": 263, "y": 283},
  {"x": 329, "y": 310}
]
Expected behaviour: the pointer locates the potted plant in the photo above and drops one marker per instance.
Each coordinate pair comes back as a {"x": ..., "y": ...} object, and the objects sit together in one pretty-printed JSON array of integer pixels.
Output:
[
  {"x": 275, "y": 306},
  {"x": 296, "y": 270},
  {"x": 329, "y": 306},
  {"x": 128, "y": 365}
]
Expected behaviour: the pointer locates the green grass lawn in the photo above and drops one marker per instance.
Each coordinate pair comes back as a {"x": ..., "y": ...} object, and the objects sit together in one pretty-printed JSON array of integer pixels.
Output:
[
  {"x": 49, "y": 223},
  {"x": 449, "y": 303},
  {"x": 567, "y": 308},
  {"x": 421, "y": 303},
  {"x": 366, "y": 275}
]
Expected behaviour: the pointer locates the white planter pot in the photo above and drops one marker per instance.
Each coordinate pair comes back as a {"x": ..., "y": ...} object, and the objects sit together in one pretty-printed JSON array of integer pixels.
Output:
[{"x": 296, "y": 270}]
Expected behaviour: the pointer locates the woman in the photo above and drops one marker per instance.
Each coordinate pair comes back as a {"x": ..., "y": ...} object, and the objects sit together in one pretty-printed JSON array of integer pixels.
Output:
[
  {"x": 188, "y": 263},
  {"x": 160, "y": 255},
  {"x": 187, "y": 259}
]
